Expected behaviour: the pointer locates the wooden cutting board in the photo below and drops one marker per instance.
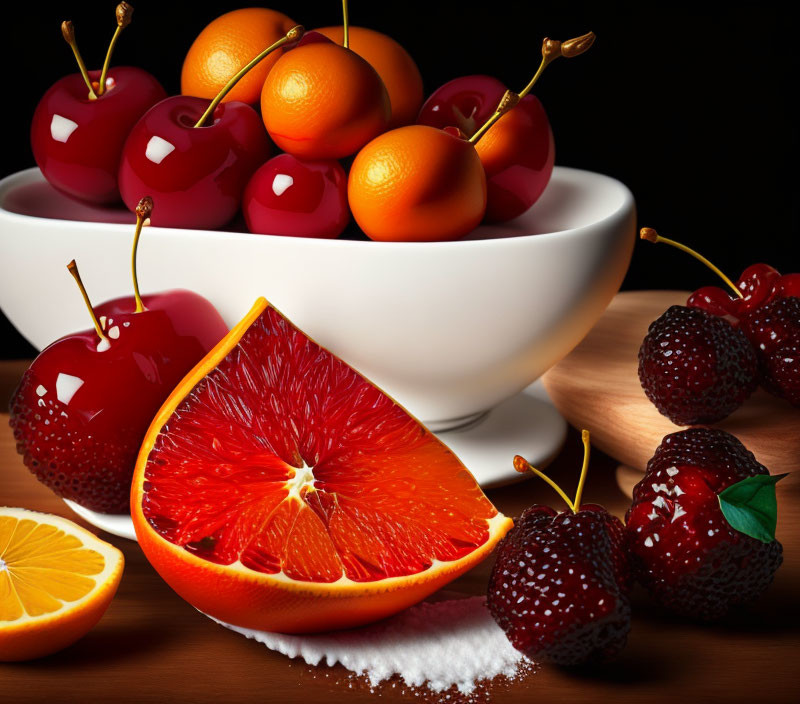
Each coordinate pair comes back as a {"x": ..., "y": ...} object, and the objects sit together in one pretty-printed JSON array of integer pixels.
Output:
[{"x": 597, "y": 387}]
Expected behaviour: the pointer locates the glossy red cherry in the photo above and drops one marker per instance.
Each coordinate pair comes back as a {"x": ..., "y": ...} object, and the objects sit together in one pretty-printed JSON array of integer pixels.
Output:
[
  {"x": 83, "y": 406},
  {"x": 753, "y": 289},
  {"x": 190, "y": 315},
  {"x": 517, "y": 151},
  {"x": 758, "y": 285},
  {"x": 195, "y": 156},
  {"x": 786, "y": 286},
  {"x": 77, "y": 136},
  {"x": 291, "y": 196},
  {"x": 465, "y": 102},
  {"x": 716, "y": 301},
  {"x": 196, "y": 175}
]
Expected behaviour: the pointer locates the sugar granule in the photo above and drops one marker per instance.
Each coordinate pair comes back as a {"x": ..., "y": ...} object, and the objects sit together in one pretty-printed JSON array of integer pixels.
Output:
[{"x": 440, "y": 644}]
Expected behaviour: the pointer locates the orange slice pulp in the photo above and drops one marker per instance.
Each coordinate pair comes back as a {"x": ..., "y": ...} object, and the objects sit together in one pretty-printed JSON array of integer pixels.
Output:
[
  {"x": 277, "y": 489},
  {"x": 56, "y": 581}
]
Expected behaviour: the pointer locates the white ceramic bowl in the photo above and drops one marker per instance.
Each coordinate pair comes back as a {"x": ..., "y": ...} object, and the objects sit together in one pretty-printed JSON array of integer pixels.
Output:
[{"x": 450, "y": 329}]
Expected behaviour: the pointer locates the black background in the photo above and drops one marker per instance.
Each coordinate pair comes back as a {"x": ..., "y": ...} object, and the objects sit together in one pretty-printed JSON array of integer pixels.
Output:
[{"x": 693, "y": 106}]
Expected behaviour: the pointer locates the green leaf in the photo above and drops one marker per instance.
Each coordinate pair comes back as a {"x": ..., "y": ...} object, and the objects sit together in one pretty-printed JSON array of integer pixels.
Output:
[{"x": 750, "y": 506}]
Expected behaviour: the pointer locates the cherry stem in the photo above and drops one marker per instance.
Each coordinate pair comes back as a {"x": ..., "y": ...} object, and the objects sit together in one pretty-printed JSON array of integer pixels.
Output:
[
  {"x": 551, "y": 50},
  {"x": 345, "y": 26},
  {"x": 143, "y": 211},
  {"x": 649, "y": 234},
  {"x": 124, "y": 14},
  {"x": 508, "y": 101},
  {"x": 73, "y": 269},
  {"x": 293, "y": 35},
  {"x": 68, "y": 32},
  {"x": 522, "y": 465}
]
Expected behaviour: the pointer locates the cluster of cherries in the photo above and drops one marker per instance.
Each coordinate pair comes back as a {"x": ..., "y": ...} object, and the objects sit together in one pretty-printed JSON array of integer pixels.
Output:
[
  {"x": 101, "y": 135},
  {"x": 560, "y": 586},
  {"x": 82, "y": 408},
  {"x": 700, "y": 362}
]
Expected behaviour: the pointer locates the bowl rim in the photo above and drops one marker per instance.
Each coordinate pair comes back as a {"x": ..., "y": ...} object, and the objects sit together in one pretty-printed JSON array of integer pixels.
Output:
[{"x": 626, "y": 205}]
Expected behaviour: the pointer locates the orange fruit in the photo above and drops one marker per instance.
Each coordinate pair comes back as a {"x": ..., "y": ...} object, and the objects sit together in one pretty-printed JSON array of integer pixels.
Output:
[
  {"x": 394, "y": 65},
  {"x": 417, "y": 184},
  {"x": 56, "y": 581},
  {"x": 225, "y": 46},
  {"x": 277, "y": 489},
  {"x": 322, "y": 101}
]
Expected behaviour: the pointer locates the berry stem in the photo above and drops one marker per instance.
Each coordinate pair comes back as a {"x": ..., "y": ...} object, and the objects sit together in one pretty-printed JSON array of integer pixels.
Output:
[
  {"x": 551, "y": 50},
  {"x": 522, "y": 465},
  {"x": 143, "y": 211},
  {"x": 124, "y": 14},
  {"x": 293, "y": 35},
  {"x": 68, "y": 32},
  {"x": 73, "y": 269},
  {"x": 345, "y": 26},
  {"x": 649, "y": 234},
  {"x": 587, "y": 447}
]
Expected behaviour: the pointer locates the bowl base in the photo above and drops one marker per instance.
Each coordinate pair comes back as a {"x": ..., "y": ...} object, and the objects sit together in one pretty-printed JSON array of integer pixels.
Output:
[
  {"x": 460, "y": 423},
  {"x": 526, "y": 424},
  {"x": 120, "y": 525}
]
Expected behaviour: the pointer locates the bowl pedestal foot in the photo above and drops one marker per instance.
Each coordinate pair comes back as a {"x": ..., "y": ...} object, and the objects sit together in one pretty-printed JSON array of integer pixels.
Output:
[{"x": 526, "y": 424}]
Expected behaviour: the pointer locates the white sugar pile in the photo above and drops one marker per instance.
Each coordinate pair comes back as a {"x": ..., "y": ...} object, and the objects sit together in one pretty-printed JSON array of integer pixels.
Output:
[{"x": 441, "y": 645}]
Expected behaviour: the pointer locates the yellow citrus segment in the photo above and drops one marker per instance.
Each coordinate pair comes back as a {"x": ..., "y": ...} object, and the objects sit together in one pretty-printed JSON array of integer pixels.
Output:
[
  {"x": 56, "y": 581},
  {"x": 10, "y": 605}
]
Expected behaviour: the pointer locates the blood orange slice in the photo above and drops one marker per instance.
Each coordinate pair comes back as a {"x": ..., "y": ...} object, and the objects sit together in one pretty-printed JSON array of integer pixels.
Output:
[{"x": 278, "y": 489}]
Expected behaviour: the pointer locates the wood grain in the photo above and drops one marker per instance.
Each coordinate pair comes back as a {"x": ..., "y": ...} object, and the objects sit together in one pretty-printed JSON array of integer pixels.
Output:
[
  {"x": 597, "y": 387},
  {"x": 152, "y": 647}
]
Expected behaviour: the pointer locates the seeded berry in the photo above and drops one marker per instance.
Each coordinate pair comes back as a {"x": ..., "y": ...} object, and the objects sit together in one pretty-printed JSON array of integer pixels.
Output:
[
  {"x": 559, "y": 587},
  {"x": 695, "y": 367},
  {"x": 774, "y": 330},
  {"x": 683, "y": 549}
]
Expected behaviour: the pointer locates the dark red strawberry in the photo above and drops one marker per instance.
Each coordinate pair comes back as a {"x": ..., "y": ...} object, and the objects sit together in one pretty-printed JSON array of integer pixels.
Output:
[
  {"x": 559, "y": 587},
  {"x": 774, "y": 330},
  {"x": 696, "y": 367},
  {"x": 685, "y": 550}
]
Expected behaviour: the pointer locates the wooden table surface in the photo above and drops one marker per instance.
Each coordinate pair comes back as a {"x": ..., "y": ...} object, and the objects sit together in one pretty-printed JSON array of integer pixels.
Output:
[{"x": 151, "y": 646}]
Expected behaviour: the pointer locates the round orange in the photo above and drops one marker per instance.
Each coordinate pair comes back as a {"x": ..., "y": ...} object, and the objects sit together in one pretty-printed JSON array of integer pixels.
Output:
[
  {"x": 394, "y": 65},
  {"x": 417, "y": 184},
  {"x": 278, "y": 489},
  {"x": 225, "y": 46},
  {"x": 322, "y": 101}
]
